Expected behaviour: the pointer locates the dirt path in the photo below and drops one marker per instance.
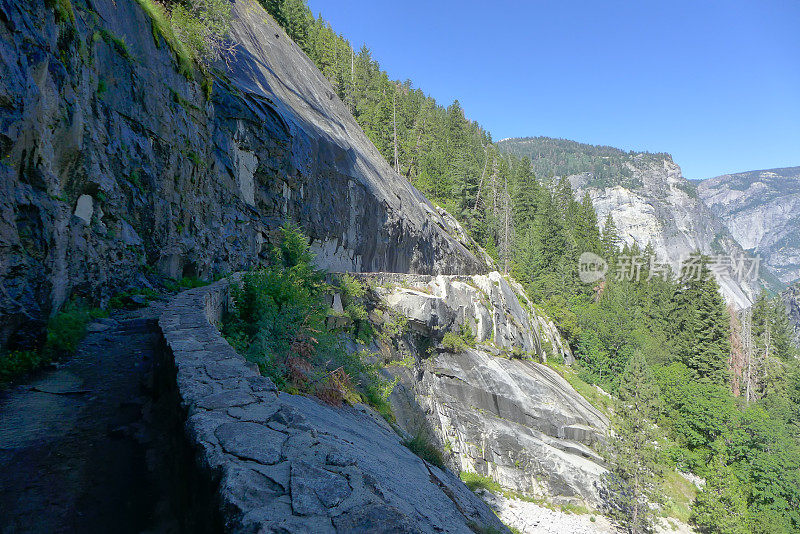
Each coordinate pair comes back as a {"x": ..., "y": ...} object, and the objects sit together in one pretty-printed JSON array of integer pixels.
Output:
[{"x": 78, "y": 445}]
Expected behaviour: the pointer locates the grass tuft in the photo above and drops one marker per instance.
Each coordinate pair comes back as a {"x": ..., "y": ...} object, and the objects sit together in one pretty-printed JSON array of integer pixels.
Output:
[
  {"x": 476, "y": 482},
  {"x": 421, "y": 445},
  {"x": 63, "y": 10},
  {"x": 118, "y": 44},
  {"x": 162, "y": 27}
]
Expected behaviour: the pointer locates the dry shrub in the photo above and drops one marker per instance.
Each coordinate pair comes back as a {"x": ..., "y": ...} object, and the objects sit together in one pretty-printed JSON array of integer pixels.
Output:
[
  {"x": 304, "y": 348},
  {"x": 298, "y": 370},
  {"x": 336, "y": 388}
]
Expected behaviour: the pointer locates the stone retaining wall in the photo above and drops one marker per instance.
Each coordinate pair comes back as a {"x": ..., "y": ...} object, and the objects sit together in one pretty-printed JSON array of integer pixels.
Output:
[{"x": 277, "y": 462}]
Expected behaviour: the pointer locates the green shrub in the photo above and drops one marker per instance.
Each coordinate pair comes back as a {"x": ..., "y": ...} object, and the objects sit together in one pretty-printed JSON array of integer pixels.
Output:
[
  {"x": 458, "y": 342},
  {"x": 353, "y": 300},
  {"x": 376, "y": 394},
  {"x": 421, "y": 445},
  {"x": 518, "y": 353},
  {"x": 162, "y": 27},
  {"x": 196, "y": 30},
  {"x": 467, "y": 335},
  {"x": 278, "y": 321},
  {"x": 452, "y": 342},
  {"x": 64, "y": 331},
  {"x": 63, "y": 9},
  {"x": 17, "y": 363},
  {"x": 203, "y": 27},
  {"x": 397, "y": 326}
]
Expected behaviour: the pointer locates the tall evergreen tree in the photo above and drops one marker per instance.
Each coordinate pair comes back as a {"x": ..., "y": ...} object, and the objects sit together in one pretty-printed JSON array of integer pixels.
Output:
[
  {"x": 587, "y": 232},
  {"x": 632, "y": 452},
  {"x": 720, "y": 506},
  {"x": 704, "y": 324},
  {"x": 610, "y": 238},
  {"x": 526, "y": 194}
]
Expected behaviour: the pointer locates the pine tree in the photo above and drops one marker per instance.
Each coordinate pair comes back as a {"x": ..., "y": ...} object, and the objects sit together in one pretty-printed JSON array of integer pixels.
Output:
[
  {"x": 610, "y": 238},
  {"x": 587, "y": 232},
  {"x": 526, "y": 194},
  {"x": 632, "y": 452},
  {"x": 720, "y": 507},
  {"x": 565, "y": 200},
  {"x": 704, "y": 325}
]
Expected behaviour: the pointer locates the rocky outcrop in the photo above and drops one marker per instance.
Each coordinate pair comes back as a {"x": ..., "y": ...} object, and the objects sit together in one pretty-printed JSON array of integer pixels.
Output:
[
  {"x": 287, "y": 463},
  {"x": 492, "y": 407},
  {"x": 762, "y": 211},
  {"x": 494, "y": 309},
  {"x": 515, "y": 421},
  {"x": 648, "y": 198},
  {"x": 666, "y": 212},
  {"x": 112, "y": 162}
]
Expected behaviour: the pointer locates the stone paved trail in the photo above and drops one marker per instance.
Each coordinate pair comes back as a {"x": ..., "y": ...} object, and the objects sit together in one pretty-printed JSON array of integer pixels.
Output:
[{"x": 74, "y": 443}]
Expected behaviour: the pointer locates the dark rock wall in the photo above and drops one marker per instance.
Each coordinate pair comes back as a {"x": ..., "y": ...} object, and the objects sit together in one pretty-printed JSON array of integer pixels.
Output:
[{"x": 112, "y": 163}]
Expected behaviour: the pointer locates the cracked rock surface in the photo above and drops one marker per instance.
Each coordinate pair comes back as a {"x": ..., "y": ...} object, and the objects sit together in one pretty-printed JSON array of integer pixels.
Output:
[{"x": 288, "y": 463}]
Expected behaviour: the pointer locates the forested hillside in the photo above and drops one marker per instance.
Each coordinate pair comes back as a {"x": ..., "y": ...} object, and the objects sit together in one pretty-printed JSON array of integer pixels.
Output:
[
  {"x": 562, "y": 157},
  {"x": 728, "y": 385}
]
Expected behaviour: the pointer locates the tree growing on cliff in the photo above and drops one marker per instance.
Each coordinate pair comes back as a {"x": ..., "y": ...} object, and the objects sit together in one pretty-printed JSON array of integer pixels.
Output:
[{"x": 632, "y": 482}]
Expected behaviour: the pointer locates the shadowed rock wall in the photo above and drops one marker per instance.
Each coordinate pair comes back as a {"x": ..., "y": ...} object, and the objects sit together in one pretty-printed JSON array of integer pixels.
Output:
[{"x": 113, "y": 163}]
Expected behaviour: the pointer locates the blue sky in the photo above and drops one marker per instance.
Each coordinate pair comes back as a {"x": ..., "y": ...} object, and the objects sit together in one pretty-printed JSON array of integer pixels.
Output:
[{"x": 716, "y": 84}]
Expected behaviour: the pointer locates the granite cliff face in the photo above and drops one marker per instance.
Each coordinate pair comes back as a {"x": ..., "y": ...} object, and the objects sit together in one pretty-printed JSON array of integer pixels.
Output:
[
  {"x": 112, "y": 163},
  {"x": 762, "y": 211},
  {"x": 492, "y": 406},
  {"x": 648, "y": 198},
  {"x": 667, "y": 212}
]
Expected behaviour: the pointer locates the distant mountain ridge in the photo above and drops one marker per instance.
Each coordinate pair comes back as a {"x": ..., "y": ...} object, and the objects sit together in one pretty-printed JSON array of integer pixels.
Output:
[
  {"x": 563, "y": 157},
  {"x": 647, "y": 196},
  {"x": 762, "y": 210}
]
